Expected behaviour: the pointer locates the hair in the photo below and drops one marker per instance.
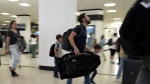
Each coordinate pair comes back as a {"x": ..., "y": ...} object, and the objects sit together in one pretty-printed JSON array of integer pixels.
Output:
[
  {"x": 11, "y": 24},
  {"x": 32, "y": 35},
  {"x": 97, "y": 46},
  {"x": 81, "y": 17},
  {"x": 102, "y": 37},
  {"x": 58, "y": 36},
  {"x": 115, "y": 34}
]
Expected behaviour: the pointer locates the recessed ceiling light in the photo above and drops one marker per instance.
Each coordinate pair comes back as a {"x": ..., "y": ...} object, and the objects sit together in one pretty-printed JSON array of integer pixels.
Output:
[
  {"x": 110, "y": 4},
  {"x": 109, "y": 11},
  {"x": 6, "y": 21},
  {"x": 117, "y": 19},
  {"x": 5, "y": 13},
  {"x": 3, "y": 24},
  {"x": 13, "y": 0},
  {"x": 13, "y": 16},
  {"x": 24, "y": 4}
]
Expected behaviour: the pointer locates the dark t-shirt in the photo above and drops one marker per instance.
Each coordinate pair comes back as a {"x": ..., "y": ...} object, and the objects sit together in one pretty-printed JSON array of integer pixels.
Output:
[
  {"x": 80, "y": 41},
  {"x": 13, "y": 36}
]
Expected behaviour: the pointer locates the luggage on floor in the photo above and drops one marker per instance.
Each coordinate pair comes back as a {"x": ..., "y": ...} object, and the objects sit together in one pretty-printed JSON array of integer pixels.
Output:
[
  {"x": 130, "y": 71},
  {"x": 72, "y": 66}
]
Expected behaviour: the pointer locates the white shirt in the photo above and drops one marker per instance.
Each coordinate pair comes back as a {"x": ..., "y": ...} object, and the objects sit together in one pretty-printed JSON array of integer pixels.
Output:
[
  {"x": 33, "y": 41},
  {"x": 113, "y": 46}
]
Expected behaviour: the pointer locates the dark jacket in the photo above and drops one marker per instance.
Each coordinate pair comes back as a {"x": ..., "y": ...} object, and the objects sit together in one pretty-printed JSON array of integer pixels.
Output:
[{"x": 135, "y": 31}]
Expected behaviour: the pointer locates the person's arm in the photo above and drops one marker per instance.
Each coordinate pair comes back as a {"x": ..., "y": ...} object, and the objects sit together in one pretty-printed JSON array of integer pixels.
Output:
[
  {"x": 55, "y": 51},
  {"x": 7, "y": 42},
  {"x": 71, "y": 40},
  {"x": 87, "y": 49}
]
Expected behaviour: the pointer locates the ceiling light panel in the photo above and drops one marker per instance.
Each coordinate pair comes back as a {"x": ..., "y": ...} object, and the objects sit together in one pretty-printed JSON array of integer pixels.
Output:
[
  {"x": 6, "y": 21},
  {"x": 110, "y": 11},
  {"x": 110, "y": 4},
  {"x": 117, "y": 19},
  {"x": 24, "y": 4},
  {"x": 5, "y": 13},
  {"x": 3, "y": 24},
  {"x": 13, "y": 16},
  {"x": 13, "y": 0}
]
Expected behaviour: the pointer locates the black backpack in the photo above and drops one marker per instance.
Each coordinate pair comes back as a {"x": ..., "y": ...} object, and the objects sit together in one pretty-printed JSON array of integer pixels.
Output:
[
  {"x": 110, "y": 42},
  {"x": 51, "y": 52},
  {"x": 65, "y": 41}
]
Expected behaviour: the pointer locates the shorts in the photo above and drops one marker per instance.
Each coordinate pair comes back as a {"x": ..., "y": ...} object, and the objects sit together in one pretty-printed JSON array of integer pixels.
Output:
[{"x": 112, "y": 52}]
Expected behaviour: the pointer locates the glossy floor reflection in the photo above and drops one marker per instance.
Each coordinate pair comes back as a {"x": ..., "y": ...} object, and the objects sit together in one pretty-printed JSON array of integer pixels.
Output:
[{"x": 36, "y": 76}]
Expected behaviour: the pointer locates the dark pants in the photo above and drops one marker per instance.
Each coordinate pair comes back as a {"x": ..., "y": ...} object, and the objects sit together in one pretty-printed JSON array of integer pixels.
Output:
[
  {"x": 93, "y": 75},
  {"x": 144, "y": 74},
  {"x": 33, "y": 50},
  {"x": 56, "y": 66}
]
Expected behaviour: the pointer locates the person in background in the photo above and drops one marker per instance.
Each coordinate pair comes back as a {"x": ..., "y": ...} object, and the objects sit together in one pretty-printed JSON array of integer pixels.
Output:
[
  {"x": 123, "y": 56},
  {"x": 33, "y": 43},
  {"x": 97, "y": 49},
  {"x": 113, "y": 47},
  {"x": 58, "y": 53},
  {"x": 102, "y": 43},
  {"x": 91, "y": 42},
  {"x": 12, "y": 37}
]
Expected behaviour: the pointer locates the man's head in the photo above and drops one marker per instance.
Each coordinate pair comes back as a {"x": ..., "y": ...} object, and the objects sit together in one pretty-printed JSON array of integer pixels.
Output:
[
  {"x": 83, "y": 18},
  {"x": 59, "y": 38},
  {"x": 97, "y": 48},
  {"x": 115, "y": 34}
]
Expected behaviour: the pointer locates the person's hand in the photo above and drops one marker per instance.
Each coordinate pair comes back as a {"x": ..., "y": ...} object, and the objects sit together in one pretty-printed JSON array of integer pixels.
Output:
[
  {"x": 6, "y": 51},
  {"x": 76, "y": 51}
]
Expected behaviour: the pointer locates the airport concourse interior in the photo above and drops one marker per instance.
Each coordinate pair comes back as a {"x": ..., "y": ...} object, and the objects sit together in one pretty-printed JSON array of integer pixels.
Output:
[{"x": 74, "y": 41}]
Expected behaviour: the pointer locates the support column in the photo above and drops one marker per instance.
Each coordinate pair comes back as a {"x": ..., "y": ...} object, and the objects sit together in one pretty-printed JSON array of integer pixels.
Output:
[
  {"x": 55, "y": 17},
  {"x": 97, "y": 17},
  {"x": 21, "y": 20}
]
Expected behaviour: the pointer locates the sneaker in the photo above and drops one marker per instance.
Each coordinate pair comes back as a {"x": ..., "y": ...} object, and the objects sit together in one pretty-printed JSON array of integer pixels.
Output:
[
  {"x": 93, "y": 82},
  {"x": 117, "y": 80},
  {"x": 56, "y": 76},
  {"x": 112, "y": 62},
  {"x": 16, "y": 74},
  {"x": 12, "y": 73}
]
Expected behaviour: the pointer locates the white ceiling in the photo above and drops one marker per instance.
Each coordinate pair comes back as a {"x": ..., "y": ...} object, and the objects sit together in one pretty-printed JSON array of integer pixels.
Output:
[{"x": 122, "y": 6}]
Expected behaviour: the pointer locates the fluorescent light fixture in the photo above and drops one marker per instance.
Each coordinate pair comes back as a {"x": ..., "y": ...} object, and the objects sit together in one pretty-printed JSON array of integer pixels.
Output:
[
  {"x": 6, "y": 21},
  {"x": 24, "y": 4},
  {"x": 117, "y": 19},
  {"x": 13, "y": 16},
  {"x": 5, "y": 13},
  {"x": 110, "y": 4},
  {"x": 77, "y": 13},
  {"x": 110, "y": 11},
  {"x": 38, "y": 22},
  {"x": 3, "y": 24},
  {"x": 13, "y": 0}
]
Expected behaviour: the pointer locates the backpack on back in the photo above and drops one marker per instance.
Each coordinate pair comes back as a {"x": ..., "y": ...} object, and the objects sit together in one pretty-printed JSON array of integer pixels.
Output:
[
  {"x": 110, "y": 42},
  {"x": 51, "y": 52},
  {"x": 65, "y": 41}
]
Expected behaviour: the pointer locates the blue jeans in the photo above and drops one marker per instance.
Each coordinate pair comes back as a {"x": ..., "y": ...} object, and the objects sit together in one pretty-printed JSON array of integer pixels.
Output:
[
  {"x": 56, "y": 67},
  {"x": 120, "y": 67},
  {"x": 94, "y": 74},
  {"x": 86, "y": 78}
]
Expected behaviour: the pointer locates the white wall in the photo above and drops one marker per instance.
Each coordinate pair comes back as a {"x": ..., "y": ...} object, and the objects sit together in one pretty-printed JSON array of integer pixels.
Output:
[
  {"x": 55, "y": 17},
  {"x": 27, "y": 32}
]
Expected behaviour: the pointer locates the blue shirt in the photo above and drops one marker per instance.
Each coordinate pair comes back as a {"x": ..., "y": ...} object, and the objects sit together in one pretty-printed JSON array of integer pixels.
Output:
[{"x": 80, "y": 41}]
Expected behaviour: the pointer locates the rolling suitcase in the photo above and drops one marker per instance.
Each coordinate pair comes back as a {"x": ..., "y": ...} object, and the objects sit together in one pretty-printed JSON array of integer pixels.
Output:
[
  {"x": 130, "y": 71},
  {"x": 72, "y": 66}
]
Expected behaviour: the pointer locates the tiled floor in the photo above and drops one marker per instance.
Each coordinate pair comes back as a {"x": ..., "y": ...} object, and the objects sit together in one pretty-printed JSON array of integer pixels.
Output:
[{"x": 36, "y": 76}]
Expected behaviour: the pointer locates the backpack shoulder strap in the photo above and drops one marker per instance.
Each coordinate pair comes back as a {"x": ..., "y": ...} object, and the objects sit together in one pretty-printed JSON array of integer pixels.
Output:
[
  {"x": 80, "y": 33},
  {"x": 57, "y": 46}
]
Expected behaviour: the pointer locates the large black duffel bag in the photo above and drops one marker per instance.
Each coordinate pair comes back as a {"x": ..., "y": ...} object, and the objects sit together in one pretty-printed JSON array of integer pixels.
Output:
[{"x": 72, "y": 66}]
